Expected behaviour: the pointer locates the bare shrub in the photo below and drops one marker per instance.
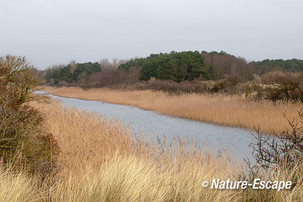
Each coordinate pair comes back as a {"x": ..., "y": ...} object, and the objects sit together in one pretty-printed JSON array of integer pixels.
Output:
[
  {"x": 281, "y": 155},
  {"x": 227, "y": 85},
  {"x": 272, "y": 77},
  {"x": 284, "y": 86},
  {"x": 110, "y": 76},
  {"x": 287, "y": 150},
  {"x": 63, "y": 83}
]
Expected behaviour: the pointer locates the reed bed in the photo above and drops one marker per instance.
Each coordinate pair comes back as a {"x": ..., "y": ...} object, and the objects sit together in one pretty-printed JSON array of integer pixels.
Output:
[
  {"x": 101, "y": 160},
  {"x": 217, "y": 109}
]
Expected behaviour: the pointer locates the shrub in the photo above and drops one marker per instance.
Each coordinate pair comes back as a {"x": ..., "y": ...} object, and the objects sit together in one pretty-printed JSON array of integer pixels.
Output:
[
  {"x": 63, "y": 83},
  {"x": 173, "y": 87},
  {"x": 282, "y": 154},
  {"x": 23, "y": 141},
  {"x": 227, "y": 85},
  {"x": 284, "y": 86}
]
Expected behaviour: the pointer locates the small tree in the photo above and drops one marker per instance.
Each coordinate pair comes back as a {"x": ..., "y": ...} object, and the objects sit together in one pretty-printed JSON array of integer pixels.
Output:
[
  {"x": 23, "y": 140},
  {"x": 18, "y": 80}
]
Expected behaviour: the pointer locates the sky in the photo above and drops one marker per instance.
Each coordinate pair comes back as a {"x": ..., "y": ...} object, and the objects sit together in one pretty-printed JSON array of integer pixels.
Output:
[{"x": 50, "y": 32}]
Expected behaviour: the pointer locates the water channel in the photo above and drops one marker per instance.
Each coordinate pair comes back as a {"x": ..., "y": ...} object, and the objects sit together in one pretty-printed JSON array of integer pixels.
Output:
[{"x": 235, "y": 141}]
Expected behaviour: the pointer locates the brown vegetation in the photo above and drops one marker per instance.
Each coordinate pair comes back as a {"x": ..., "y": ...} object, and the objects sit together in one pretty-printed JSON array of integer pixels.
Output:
[
  {"x": 102, "y": 161},
  {"x": 283, "y": 86},
  {"x": 218, "y": 109},
  {"x": 23, "y": 140}
]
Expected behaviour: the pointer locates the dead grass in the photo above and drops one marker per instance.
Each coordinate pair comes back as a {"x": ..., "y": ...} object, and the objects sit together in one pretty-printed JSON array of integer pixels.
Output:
[
  {"x": 102, "y": 161},
  {"x": 18, "y": 186},
  {"x": 217, "y": 109},
  {"x": 84, "y": 137}
]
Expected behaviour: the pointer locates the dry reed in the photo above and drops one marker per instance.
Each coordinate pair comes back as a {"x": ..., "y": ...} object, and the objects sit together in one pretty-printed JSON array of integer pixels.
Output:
[
  {"x": 217, "y": 109},
  {"x": 102, "y": 161},
  {"x": 18, "y": 186}
]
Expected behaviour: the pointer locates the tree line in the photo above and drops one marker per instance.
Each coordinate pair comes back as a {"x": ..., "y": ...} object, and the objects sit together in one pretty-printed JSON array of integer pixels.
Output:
[{"x": 175, "y": 71}]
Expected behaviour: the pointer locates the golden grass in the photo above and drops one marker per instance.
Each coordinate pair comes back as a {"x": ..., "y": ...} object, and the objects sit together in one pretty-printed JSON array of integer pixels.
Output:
[
  {"x": 18, "y": 186},
  {"x": 217, "y": 109},
  {"x": 129, "y": 178},
  {"x": 101, "y": 161}
]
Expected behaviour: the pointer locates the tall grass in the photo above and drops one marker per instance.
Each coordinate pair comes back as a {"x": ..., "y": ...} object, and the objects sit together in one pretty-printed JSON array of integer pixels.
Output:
[
  {"x": 18, "y": 186},
  {"x": 129, "y": 178},
  {"x": 102, "y": 161},
  {"x": 218, "y": 109}
]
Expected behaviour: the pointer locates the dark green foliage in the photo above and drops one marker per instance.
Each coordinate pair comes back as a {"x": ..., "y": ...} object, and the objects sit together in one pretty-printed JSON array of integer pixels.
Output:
[
  {"x": 173, "y": 66},
  {"x": 23, "y": 141},
  {"x": 88, "y": 68},
  {"x": 64, "y": 73},
  {"x": 229, "y": 73},
  {"x": 288, "y": 65},
  {"x": 133, "y": 63},
  {"x": 53, "y": 75}
]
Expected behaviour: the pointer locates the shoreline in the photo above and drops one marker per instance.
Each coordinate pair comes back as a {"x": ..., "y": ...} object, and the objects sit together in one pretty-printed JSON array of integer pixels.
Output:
[{"x": 223, "y": 110}]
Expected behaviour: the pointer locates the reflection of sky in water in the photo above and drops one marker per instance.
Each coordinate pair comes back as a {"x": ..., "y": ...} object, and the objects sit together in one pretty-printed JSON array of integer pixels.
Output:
[{"x": 235, "y": 140}]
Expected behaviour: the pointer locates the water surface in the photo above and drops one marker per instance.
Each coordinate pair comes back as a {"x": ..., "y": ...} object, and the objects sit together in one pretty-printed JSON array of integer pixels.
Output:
[{"x": 235, "y": 141}]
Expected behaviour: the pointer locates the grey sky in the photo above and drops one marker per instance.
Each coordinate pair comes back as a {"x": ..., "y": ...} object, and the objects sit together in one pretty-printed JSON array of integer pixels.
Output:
[{"x": 50, "y": 32}]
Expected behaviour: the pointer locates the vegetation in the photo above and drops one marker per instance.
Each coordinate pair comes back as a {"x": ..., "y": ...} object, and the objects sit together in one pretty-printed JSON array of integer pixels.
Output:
[
  {"x": 23, "y": 142},
  {"x": 178, "y": 72},
  {"x": 102, "y": 161},
  {"x": 74, "y": 72},
  {"x": 221, "y": 65},
  {"x": 18, "y": 186},
  {"x": 287, "y": 152},
  {"x": 288, "y": 65},
  {"x": 282, "y": 86},
  {"x": 218, "y": 109},
  {"x": 174, "y": 66}
]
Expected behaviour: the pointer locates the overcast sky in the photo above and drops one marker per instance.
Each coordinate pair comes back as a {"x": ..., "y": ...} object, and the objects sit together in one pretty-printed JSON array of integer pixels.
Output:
[{"x": 51, "y": 32}]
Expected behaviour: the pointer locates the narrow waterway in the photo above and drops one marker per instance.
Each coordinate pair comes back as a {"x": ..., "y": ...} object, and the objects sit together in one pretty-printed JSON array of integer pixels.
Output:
[{"x": 235, "y": 141}]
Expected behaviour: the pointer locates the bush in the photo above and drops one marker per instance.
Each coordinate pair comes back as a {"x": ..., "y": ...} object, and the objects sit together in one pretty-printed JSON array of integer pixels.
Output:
[
  {"x": 227, "y": 85},
  {"x": 282, "y": 154},
  {"x": 173, "y": 87},
  {"x": 283, "y": 86},
  {"x": 23, "y": 141},
  {"x": 63, "y": 84}
]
